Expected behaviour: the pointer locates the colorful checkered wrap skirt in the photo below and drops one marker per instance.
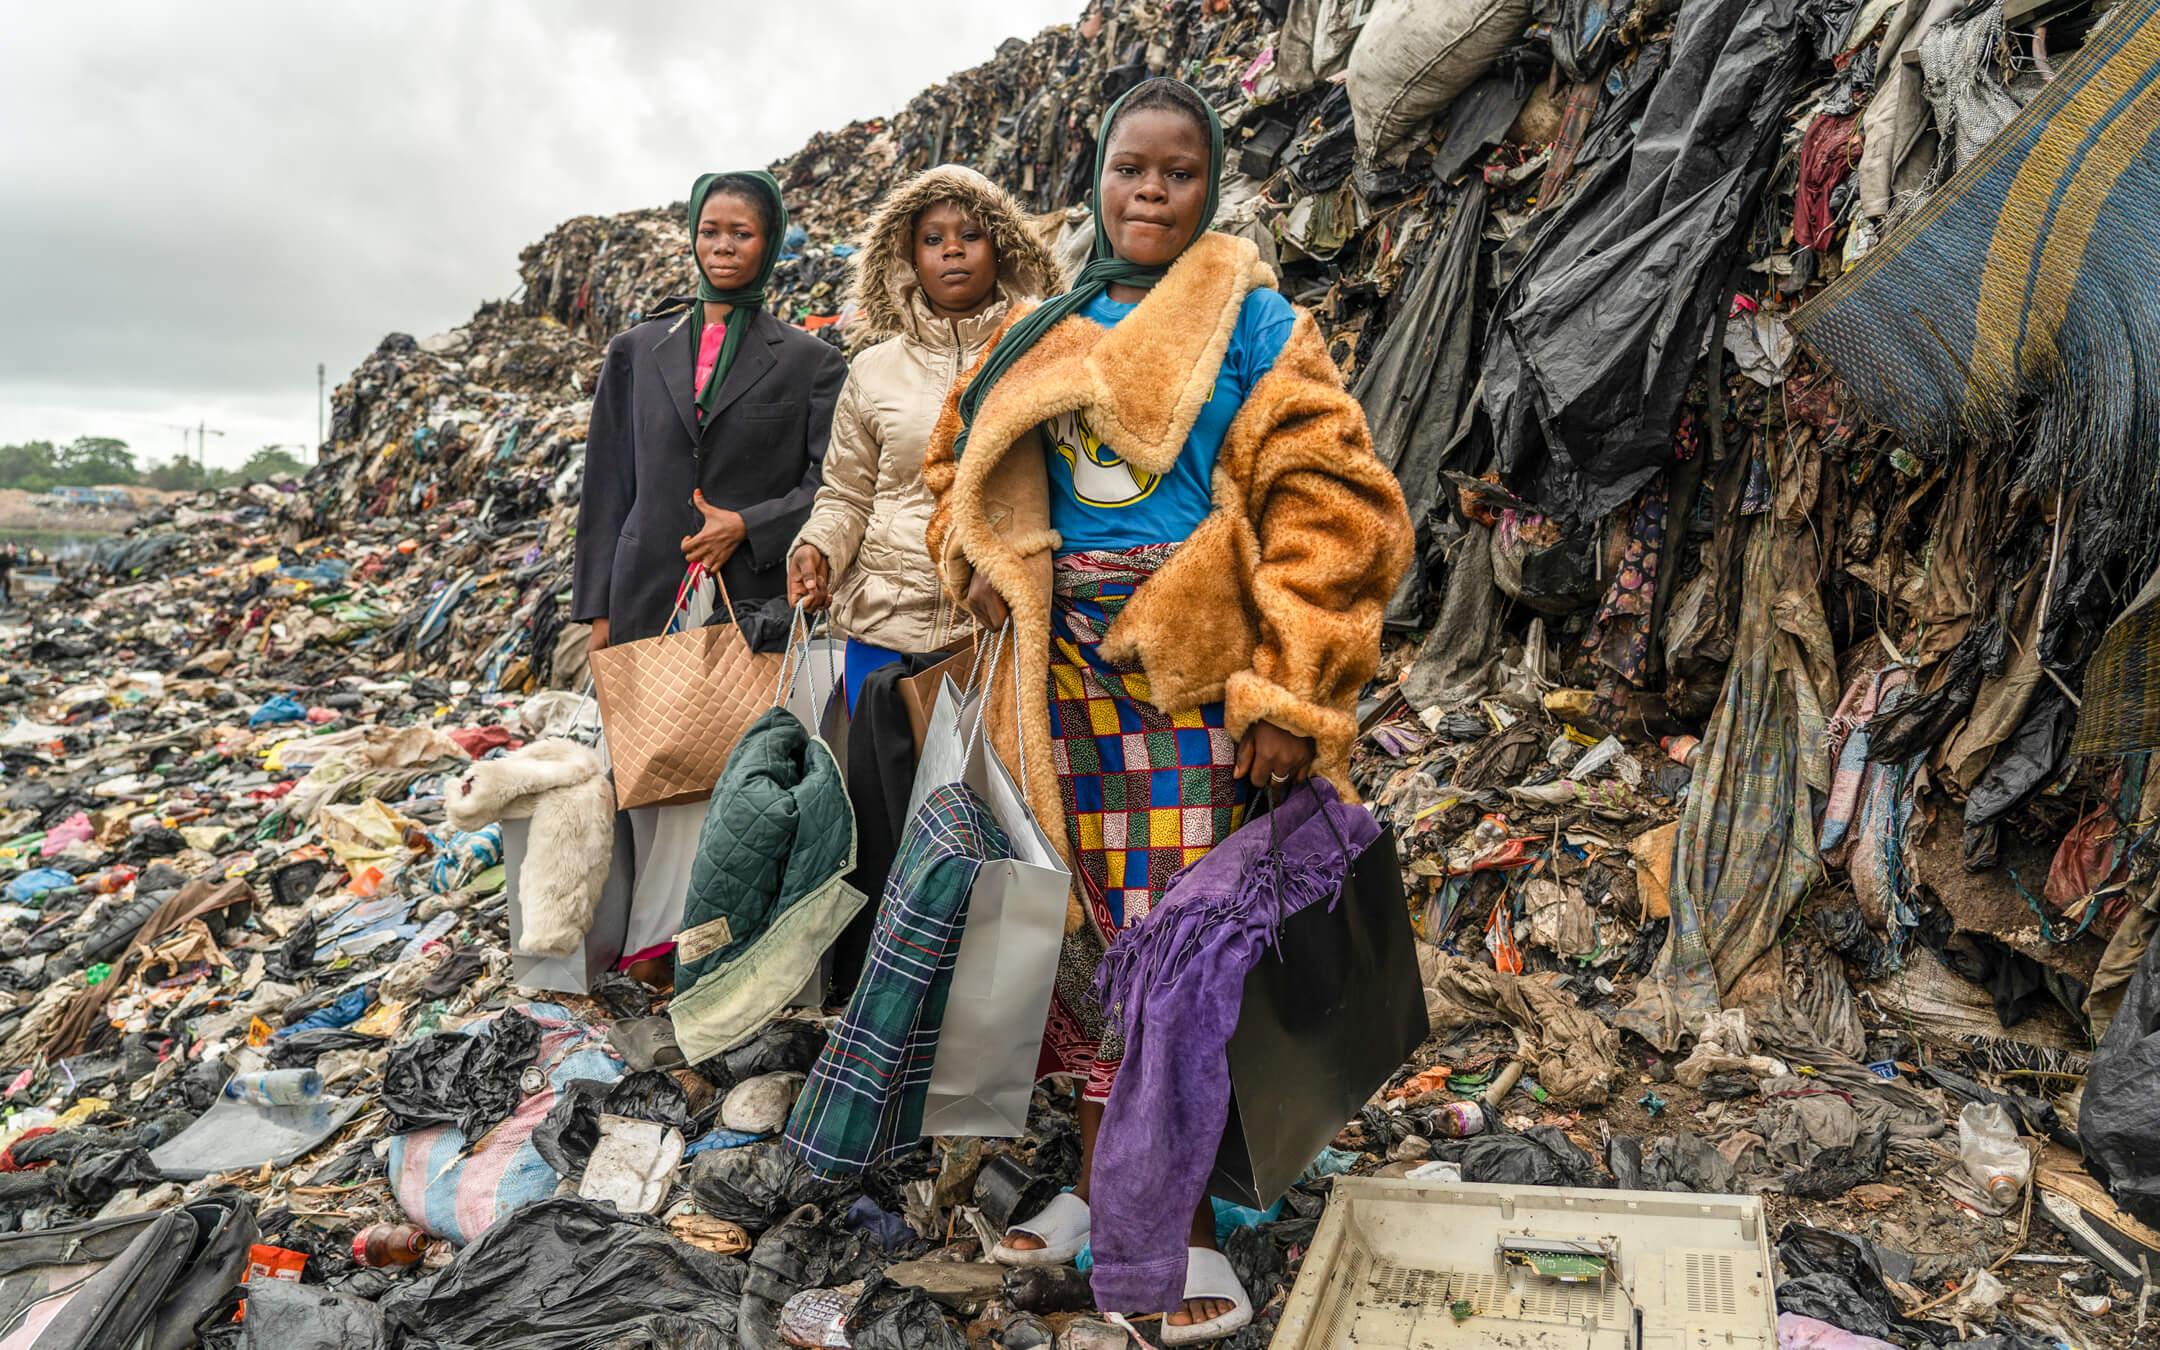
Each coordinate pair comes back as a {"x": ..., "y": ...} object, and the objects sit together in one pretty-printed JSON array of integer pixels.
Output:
[{"x": 1145, "y": 793}]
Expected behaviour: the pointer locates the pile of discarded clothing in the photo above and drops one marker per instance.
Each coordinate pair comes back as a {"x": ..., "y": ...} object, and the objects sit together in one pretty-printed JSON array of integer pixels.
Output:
[{"x": 1763, "y": 734}]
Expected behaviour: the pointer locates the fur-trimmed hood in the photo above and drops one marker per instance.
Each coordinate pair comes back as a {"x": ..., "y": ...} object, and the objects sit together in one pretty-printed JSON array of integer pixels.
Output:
[{"x": 884, "y": 290}]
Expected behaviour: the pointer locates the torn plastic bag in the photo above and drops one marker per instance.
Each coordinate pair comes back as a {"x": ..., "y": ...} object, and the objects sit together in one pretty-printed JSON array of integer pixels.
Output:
[
  {"x": 788, "y": 1045},
  {"x": 1414, "y": 386},
  {"x": 1542, "y": 1156},
  {"x": 1684, "y": 1163},
  {"x": 301, "y": 1049},
  {"x": 572, "y": 1127},
  {"x": 451, "y": 1078},
  {"x": 2026, "y": 761},
  {"x": 889, "y": 1316},
  {"x": 1580, "y": 30},
  {"x": 288, "y": 1315},
  {"x": 808, "y": 1251},
  {"x": 567, "y": 1274},
  {"x": 95, "y": 1176},
  {"x": 143, "y": 1282},
  {"x": 1922, "y": 723},
  {"x": 2120, "y": 1116},
  {"x": 1598, "y": 332},
  {"x": 755, "y": 1185},
  {"x": 1839, "y": 1278}
]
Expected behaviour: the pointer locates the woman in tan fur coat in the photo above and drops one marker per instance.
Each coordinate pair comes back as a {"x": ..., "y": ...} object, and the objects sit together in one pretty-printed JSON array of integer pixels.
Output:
[{"x": 1159, "y": 479}]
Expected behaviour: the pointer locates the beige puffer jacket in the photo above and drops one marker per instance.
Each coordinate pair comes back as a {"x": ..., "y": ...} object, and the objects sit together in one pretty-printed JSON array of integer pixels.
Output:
[{"x": 870, "y": 516}]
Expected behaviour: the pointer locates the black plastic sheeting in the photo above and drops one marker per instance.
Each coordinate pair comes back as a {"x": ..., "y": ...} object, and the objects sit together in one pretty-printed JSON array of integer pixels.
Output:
[
  {"x": 2026, "y": 761},
  {"x": 755, "y": 1185},
  {"x": 566, "y": 1137},
  {"x": 566, "y": 1274},
  {"x": 809, "y": 1251},
  {"x": 1414, "y": 386},
  {"x": 2120, "y": 1117},
  {"x": 889, "y": 1316},
  {"x": 789, "y": 1045},
  {"x": 1838, "y": 1278},
  {"x": 1674, "y": 1162},
  {"x": 451, "y": 1078},
  {"x": 1600, "y": 329},
  {"x": 1541, "y": 1156}
]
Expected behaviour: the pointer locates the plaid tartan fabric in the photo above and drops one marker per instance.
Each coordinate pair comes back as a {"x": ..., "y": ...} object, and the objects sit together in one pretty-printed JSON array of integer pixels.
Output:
[
  {"x": 863, "y": 1101},
  {"x": 1145, "y": 792}
]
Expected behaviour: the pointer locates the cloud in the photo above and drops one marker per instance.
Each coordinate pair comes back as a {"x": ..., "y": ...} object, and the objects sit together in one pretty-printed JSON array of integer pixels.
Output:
[{"x": 198, "y": 203}]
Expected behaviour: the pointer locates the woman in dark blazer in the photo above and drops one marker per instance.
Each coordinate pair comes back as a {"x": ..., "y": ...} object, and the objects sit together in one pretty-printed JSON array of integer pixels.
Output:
[{"x": 708, "y": 430}]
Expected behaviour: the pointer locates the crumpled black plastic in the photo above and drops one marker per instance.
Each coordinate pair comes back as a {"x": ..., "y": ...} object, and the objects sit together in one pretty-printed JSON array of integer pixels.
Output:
[
  {"x": 1598, "y": 332},
  {"x": 789, "y": 1045},
  {"x": 622, "y": 996},
  {"x": 566, "y": 1274},
  {"x": 451, "y": 1078},
  {"x": 1682, "y": 1163},
  {"x": 295, "y": 956},
  {"x": 1581, "y": 30},
  {"x": 301, "y": 1049},
  {"x": 2024, "y": 763},
  {"x": 1921, "y": 723},
  {"x": 1838, "y": 1278},
  {"x": 565, "y": 1138},
  {"x": 1846, "y": 930},
  {"x": 808, "y": 1251},
  {"x": 94, "y": 1177},
  {"x": 1834, "y": 1171},
  {"x": 1540, "y": 1156},
  {"x": 754, "y": 1185},
  {"x": 2120, "y": 1117},
  {"x": 890, "y": 1316}
]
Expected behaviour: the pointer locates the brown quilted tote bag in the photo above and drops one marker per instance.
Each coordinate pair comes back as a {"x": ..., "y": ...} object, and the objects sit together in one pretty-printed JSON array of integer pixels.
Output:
[{"x": 672, "y": 707}]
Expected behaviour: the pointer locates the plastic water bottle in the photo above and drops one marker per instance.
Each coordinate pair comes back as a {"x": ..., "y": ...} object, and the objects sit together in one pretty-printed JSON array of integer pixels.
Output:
[
  {"x": 1988, "y": 1148},
  {"x": 276, "y": 1087}
]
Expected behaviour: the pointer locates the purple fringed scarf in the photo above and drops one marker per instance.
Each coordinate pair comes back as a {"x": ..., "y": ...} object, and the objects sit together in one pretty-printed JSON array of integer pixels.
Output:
[{"x": 1174, "y": 983}]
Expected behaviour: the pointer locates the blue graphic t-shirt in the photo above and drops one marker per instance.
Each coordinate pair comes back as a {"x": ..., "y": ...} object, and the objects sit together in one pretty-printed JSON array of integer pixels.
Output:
[{"x": 1098, "y": 501}]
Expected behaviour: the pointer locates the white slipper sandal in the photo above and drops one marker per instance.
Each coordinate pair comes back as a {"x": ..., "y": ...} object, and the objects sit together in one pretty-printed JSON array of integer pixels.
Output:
[
  {"x": 1208, "y": 1275},
  {"x": 1062, "y": 1228}
]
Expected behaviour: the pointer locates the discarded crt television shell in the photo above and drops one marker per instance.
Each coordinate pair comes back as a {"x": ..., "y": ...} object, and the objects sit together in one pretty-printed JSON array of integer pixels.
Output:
[{"x": 1481, "y": 1267}]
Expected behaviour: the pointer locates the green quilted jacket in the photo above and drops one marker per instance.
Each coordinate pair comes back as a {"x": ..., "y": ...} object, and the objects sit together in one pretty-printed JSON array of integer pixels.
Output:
[{"x": 766, "y": 895}]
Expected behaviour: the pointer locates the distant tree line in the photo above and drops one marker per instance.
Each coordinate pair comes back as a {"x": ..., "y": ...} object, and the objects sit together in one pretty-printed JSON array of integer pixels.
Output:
[{"x": 93, "y": 461}]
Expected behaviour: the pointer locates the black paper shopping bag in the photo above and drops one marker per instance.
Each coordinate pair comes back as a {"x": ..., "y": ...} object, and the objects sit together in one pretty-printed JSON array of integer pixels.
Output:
[{"x": 1328, "y": 1016}]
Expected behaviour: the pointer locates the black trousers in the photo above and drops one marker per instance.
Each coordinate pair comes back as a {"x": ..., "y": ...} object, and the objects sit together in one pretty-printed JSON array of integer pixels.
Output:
[{"x": 880, "y": 774}]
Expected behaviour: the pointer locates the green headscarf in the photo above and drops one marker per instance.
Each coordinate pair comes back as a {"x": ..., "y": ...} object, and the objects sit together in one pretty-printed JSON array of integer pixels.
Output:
[
  {"x": 746, "y": 300},
  {"x": 1104, "y": 268}
]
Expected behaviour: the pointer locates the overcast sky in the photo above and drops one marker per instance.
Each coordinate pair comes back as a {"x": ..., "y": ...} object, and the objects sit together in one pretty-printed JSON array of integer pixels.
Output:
[{"x": 200, "y": 201}]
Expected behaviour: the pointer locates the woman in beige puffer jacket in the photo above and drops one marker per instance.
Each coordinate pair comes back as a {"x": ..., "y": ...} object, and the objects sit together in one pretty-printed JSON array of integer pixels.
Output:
[{"x": 944, "y": 258}]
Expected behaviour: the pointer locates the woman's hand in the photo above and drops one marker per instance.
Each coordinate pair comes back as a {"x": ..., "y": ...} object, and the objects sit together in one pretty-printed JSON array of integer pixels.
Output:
[
  {"x": 984, "y": 602},
  {"x": 1271, "y": 757},
  {"x": 809, "y": 578},
  {"x": 717, "y": 541},
  {"x": 599, "y": 640}
]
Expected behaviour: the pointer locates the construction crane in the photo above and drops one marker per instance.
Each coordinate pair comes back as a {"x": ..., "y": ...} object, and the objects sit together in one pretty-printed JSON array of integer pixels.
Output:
[{"x": 201, "y": 431}]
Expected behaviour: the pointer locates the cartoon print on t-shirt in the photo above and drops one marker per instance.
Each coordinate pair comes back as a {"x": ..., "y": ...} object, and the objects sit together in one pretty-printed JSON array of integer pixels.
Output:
[{"x": 1100, "y": 477}]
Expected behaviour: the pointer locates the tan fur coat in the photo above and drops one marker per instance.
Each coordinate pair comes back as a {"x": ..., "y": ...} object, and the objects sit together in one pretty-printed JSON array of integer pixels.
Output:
[{"x": 1274, "y": 603}]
